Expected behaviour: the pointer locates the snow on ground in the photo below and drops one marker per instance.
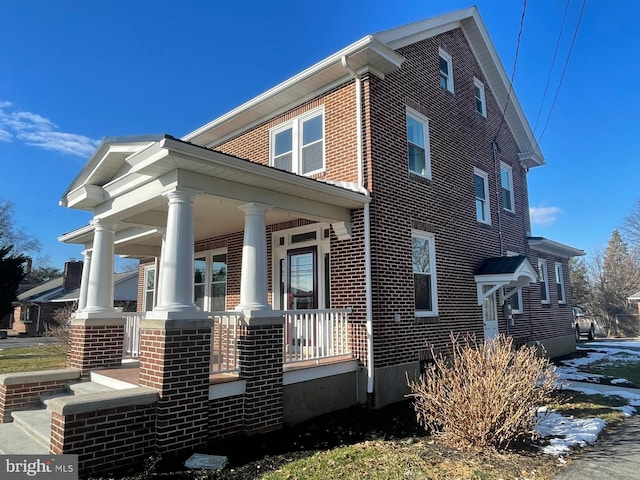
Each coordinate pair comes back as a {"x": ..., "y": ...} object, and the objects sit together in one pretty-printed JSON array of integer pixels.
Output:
[{"x": 564, "y": 432}]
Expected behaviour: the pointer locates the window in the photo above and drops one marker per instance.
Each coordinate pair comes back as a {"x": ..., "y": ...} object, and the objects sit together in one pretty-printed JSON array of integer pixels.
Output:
[
  {"x": 478, "y": 88},
  {"x": 560, "y": 283},
  {"x": 418, "y": 143},
  {"x": 542, "y": 280},
  {"x": 424, "y": 274},
  {"x": 446, "y": 71},
  {"x": 506, "y": 180},
  {"x": 481, "y": 183},
  {"x": 298, "y": 146},
  {"x": 210, "y": 281},
  {"x": 149, "y": 289},
  {"x": 516, "y": 298}
]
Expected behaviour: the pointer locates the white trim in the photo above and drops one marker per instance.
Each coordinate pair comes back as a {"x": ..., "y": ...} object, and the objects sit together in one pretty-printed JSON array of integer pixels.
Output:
[
  {"x": 424, "y": 121},
  {"x": 449, "y": 75},
  {"x": 543, "y": 277},
  {"x": 227, "y": 389},
  {"x": 487, "y": 203},
  {"x": 507, "y": 168},
  {"x": 544, "y": 245},
  {"x": 559, "y": 274},
  {"x": 208, "y": 257},
  {"x": 145, "y": 276},
  {"x": 430, "y": 237},
  {"x": 518, "y": 292},
  {"x": 483, "y": 101},
  {"x": 318, "y": 371}
]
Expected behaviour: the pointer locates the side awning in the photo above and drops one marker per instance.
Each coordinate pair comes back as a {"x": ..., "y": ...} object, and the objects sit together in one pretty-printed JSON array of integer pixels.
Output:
[{"x": 510, "y": 272}]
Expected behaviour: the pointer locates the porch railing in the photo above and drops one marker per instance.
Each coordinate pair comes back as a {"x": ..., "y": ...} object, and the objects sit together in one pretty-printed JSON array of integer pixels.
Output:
[
  {"x": 315, "y": 334},
  {"x": 132, "y": 334},
  {"x": 224, "y": 339}
]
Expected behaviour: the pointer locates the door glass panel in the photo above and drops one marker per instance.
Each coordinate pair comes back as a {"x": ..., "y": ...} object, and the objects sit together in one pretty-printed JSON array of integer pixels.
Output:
[
  {"x": 200, "y": 273},
  {"x": 302, "y": 279},
  {"x": 218, "y": 291}
]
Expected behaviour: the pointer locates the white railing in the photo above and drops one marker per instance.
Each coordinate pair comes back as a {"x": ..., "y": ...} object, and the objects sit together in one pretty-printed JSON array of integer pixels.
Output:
[
  {"x": 132, "y": 334},
  {"x": 315, "y": 334},
  {"x": 224, "y": 342}
]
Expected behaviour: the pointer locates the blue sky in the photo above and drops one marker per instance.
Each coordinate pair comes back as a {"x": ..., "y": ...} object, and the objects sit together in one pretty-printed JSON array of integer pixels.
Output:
[{"x": 73, "y": 72}]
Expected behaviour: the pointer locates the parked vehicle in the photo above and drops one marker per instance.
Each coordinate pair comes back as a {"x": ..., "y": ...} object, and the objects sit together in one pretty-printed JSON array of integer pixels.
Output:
[{"x": 583, "y": 324}]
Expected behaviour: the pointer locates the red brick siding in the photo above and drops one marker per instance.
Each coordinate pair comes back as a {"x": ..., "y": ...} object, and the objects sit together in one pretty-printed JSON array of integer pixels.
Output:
[
  {"x": 26, "y": 395},
  {"x": 95, "y": 347}
]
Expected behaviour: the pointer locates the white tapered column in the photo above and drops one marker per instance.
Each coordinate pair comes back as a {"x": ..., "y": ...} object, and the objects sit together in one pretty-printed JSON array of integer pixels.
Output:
[
  {"x": 253, "y": 280},
  {"x": 100, "y": 285},
  {"x": 84, "y": 282}
]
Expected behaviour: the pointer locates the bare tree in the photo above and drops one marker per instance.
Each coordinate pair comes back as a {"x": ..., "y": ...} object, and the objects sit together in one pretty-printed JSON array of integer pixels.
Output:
[
  {"x": 22, "y": 242},
  {"x": 631, "y": 226}
]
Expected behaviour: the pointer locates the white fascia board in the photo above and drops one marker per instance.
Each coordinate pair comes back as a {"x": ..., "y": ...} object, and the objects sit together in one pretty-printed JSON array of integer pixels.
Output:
[
  {"x": 550, "y": 247},
  {"x": 85, "y": 197},
  {"x": 74, "y": 235}
]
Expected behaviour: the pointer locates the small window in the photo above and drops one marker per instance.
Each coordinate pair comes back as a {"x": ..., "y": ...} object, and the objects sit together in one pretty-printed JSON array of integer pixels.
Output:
[
  {"x": 481, "y": 105},
  {"x": 418, "y": 143},
  {"x": 149, "y": 288},
  {"x": 542, "y": 280},
  {"x": 560, "y": 283},
  {"x": 506, "y": 180},
  {"x": 516, "y": 298},
  {"x": 481, "y": 183},
  {"x": 424, "y": 274},
  {"x": 446, "y": 71},
  {"x": 298, "y": 146},
  {"x": 210, "y": 281}
]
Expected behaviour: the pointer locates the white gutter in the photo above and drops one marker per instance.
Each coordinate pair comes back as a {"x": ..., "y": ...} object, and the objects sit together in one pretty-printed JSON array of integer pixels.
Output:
[{"x": 367, "y": 231}]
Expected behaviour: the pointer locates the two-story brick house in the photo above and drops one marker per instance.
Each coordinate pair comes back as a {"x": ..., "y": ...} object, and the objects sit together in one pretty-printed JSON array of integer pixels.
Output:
[{"x": 346, "y": 220}]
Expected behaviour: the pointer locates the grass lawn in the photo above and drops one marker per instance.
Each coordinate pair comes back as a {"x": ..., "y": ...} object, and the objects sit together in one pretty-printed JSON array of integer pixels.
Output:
[
  {"x": 29, "y": 359},
  {"x": 618, "y": 365}
]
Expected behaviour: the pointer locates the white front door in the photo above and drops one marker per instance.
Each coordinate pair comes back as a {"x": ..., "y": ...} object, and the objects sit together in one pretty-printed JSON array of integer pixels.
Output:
[{"x": 490, "y": 315}]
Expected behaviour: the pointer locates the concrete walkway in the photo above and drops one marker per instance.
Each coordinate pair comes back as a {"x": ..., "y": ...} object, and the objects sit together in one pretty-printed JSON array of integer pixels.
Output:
[{"x": 616, "y": 456}]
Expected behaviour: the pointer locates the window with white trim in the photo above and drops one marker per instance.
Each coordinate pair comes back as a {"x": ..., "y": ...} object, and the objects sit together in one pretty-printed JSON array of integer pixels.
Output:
[
  {"x": 560, "y": 283},
  {"x": 298, "y": 145},
  {"x": 148, "y": 299},
  {"x": 210, "y": 280},
  {"x": 516, "y": 298},
  {"x": 418, "y": 143},
  {"x": 481, "y": 186},
  {"x": 446, "y": 71},
  {"x": 478, "y": 89},
  {"x": 506, "y": 181},
  {"x": 424, "y": 273},
  {"x": 543, "y": 281}
]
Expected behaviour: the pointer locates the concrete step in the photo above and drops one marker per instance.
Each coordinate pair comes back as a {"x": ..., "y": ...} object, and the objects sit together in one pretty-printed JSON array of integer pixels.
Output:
[
  {"x": 84, "y": 388},
  {"x": 35, "y": 423},
  {"x": 15, "y": 441}
]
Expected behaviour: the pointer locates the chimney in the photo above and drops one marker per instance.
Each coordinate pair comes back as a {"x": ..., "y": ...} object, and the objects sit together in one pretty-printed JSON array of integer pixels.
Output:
[
  {"x": 72, "y": 275},
  {"x": 26, "y": 266}
]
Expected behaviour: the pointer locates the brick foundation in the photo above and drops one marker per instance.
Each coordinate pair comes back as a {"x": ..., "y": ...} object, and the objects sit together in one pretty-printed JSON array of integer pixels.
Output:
[{"x": 95, "y": 343}]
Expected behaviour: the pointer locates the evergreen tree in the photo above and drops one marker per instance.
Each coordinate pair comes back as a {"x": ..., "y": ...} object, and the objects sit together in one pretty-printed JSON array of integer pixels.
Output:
[
  {"x": 579, "y": 279},
  {"x": 11, "y": 274}
]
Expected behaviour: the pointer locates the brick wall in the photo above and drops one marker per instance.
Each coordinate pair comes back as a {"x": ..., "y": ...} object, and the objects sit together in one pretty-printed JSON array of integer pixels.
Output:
[
  {"x": 95, "y": 346},
  {"x": 226, "y": 417},
  {"x": 22, "y": 396}
]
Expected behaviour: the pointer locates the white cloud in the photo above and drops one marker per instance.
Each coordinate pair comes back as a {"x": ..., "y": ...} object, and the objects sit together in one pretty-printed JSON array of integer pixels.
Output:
[
  {"x": 544, "y": 216},
  {"x": 40, "y": 132}
]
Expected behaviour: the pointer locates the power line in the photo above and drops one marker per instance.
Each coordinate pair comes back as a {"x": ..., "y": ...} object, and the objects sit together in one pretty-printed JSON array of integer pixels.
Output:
[
  {"x": 573, "y": 41},
  {"x": 513, "y": 73},
  {"x": 555, "y": 53}
]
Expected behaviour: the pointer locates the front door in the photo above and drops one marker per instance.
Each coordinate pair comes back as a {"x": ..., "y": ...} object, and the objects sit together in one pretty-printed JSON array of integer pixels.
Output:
[
  {"x": 302, "y": 285},
  {"x": 490, "y": 315}
]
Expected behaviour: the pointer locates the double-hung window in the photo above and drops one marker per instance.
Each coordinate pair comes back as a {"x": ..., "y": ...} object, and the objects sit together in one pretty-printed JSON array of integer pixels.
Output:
[
  {"x": 418, "y": 143},
  {"x": 560, "y": 283},
  {"x": 506, "y": 180},
  {"x": 446, "y": 71},
  {"x": 298, "y": 146},
  {"x": 543, "y": 281},
  {"x": 481, "y": 104},
  {"x": 149, "y": 289},
  {"x": 481, "y": 185},
  {"x": 424, "y": 274},
  {"x": 210, "y": 280}
]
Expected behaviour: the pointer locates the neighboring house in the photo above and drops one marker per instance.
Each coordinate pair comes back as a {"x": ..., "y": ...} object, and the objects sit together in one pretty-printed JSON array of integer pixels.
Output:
[
  {"x": 348, "y": 220},
  {"x": 35, "y": 308},
  {"x": 635, "y": 298}
]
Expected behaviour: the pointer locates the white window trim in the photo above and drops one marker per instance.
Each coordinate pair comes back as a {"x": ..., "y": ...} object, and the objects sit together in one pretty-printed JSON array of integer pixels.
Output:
[
  {"x": 447, "y": 58},
  {"x": 509, "y": 169},
  {"x": 560, "y": 281},
  {"x": 427, "y": 143},
  {"x": 487, "y": 201},
  {"x": 434, "y": 283},
  {"x": 296, "y": 141},
  {"x": 482, "y": 99},
  {"x": 542, "y": 271},
  {"x": 208, "y": 256},
  {"x": 147, "y": 269},
  {"x": 519, "y": 293}
]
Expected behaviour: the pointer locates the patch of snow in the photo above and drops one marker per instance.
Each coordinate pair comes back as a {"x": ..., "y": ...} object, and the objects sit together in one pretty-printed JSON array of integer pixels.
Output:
[
  {"x": 627, "y": 410},
  {"x": 616, "y": 381},
  {"x": 567, "y": 432}
]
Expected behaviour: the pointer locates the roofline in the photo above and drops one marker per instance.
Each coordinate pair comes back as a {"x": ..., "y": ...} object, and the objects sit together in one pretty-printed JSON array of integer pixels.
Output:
[{"x": 544, "y": 245}]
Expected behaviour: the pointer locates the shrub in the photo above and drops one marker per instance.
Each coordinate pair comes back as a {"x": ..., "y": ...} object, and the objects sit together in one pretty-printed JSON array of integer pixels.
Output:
[
  {"x": 59, "y": 329},
  {"x": 485, "y": 395}
]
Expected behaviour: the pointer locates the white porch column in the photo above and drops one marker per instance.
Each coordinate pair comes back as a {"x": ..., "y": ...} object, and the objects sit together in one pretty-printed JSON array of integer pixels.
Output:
[
  {"x": 176, "y": 261},
  {"x": 100, "y": 285},
  {"x": 253, "y": 280},
  {"x": 84, "y": 282}
]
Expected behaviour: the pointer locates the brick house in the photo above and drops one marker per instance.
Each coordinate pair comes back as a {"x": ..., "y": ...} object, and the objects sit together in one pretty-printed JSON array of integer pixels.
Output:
[{"x": 303, "y": 252}]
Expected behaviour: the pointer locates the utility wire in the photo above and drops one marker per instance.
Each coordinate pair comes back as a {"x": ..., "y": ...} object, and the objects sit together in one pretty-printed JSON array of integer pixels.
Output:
[
  {"x": 513, "y": 73},
  {"x": 553, "y": 62},
  {"x": 573, "y": 41}
]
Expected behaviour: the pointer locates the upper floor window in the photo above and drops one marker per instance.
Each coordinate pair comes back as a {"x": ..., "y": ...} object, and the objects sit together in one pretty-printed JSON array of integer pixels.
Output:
[
  {"x": 298, "y": 146},
  {"x": 481, "y": 183},
  {"x": 560, "y": 283},
  {"x": 418, "y": 143},
  {"x": 210, "y": 280},
  {"x": 481, "y": 105},
  {"x": 424, "y": 274},
  {"x": 446, "y": 71},
  {"x": 542, "y": 280},
  {"x": 506, "y": 179}
]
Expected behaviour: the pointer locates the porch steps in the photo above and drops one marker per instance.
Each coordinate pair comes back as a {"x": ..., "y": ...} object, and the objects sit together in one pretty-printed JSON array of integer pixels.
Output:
[{"x": 30, "y": 431}]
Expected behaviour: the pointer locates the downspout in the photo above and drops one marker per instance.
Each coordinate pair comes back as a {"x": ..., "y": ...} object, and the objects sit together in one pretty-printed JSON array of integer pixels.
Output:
[
  {"x": 498, "y": 179},
  {"x": 367, "y": 232}
]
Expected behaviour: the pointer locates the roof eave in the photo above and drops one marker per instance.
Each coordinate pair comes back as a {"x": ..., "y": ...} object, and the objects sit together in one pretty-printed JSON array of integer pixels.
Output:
[{"x": 551, "y": 247}]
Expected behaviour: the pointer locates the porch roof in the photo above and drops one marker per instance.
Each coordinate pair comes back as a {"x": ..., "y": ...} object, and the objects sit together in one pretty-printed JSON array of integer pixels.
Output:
[
  {"x": 125, "y": 179},
  {"x": 497, "y": 272}
]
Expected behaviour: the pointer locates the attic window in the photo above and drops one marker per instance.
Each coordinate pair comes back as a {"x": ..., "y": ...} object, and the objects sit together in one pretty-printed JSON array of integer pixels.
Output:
[
  {"x": 446, "y": 71},
  {"x": 298, "y": 145}
]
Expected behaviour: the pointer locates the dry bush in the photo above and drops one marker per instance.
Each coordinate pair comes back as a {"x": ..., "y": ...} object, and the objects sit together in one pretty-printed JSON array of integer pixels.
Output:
[
  {"x": 59, "y": 329},
  {"x": 485, "y": 395}
]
